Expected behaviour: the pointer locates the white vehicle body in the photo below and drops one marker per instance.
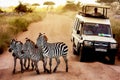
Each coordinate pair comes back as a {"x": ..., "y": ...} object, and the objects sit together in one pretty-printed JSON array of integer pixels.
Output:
[{"x": 92, "y": 35}]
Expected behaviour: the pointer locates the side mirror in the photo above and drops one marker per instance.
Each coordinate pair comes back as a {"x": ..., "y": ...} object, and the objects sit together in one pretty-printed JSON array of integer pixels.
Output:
[
  {"x": 113, "y": 35},
  {"x": 78, "y": 31}
]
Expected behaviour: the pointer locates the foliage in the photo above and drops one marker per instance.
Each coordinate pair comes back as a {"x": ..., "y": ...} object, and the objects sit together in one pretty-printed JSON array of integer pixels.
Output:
[
  {"x": 49, "y": 3},
  {"x": 15, "y": 25},
  {"x": 4, "y": 40},
  {"x": 20, "y": 24},
  {"x": 1, "y": 11},
  {"x": 35, "y": 4},
  {"x": 71, "y": 6},
  {"x": 116, "y": 28},
  {"x": 106, "y": 1},
  {"x": 22, "y": 8}
]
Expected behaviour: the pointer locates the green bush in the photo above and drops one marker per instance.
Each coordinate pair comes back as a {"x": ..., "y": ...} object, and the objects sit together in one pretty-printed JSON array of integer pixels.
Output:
[
  {"x": 19, "y": 24},
  {"x": 4, "y": 40},
  {"x": 116, "y": 29},
  {"x": 22, "y": 8},
  {"x": 15, "y": 25}
]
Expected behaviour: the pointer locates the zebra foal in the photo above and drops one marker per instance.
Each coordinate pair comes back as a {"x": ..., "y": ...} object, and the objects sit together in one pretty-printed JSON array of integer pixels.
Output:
[{"x": 53, "y": 50}]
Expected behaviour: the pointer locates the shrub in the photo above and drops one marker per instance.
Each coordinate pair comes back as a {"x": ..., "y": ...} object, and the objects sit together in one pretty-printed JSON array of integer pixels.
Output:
[
  {"x": 116, "y": 29},
  {"x": 19, "y": 24},
  {"x": 71, "y": 6},
  {"x": 22, "y": 8},
  {"x": 16, "y": 24},
  {"x": 4, "y": 40}
]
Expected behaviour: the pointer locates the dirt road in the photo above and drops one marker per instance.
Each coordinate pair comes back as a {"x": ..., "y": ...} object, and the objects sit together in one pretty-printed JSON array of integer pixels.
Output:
[{"x": 57, "y": 28}]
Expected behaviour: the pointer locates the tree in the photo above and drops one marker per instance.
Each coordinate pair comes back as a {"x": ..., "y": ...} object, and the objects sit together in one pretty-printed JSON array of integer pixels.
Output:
[
  {"x": 22, "y": 8},
  {"x": 49, "y": 4},
  {"x": 35, "y": 4},
  {"x": 109, "y": 1}
]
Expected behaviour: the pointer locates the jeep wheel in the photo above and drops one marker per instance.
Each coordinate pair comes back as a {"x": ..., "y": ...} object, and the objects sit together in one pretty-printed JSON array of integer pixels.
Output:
[
  {"x": 112, "y": 59},
  {"x": 82, "y": 56},
  {"x": 74, "y": 51}
]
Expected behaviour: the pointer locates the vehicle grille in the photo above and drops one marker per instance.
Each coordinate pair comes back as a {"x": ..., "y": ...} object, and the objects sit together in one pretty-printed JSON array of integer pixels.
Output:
[{"x": 101, "y": 45}]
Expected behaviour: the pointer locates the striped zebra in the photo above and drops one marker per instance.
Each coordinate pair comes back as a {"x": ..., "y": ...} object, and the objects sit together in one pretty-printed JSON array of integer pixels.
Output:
[
  {"x": 35, "y": 53},
  {"x": 53, "y": 50},
  {"x": 15, "y": 48}
]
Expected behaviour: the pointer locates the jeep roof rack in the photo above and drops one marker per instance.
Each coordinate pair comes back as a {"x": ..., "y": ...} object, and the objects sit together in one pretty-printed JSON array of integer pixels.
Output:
[{"x": 98, "y": 5}]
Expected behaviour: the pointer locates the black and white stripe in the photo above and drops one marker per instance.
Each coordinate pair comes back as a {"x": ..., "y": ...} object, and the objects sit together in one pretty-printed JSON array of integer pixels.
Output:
[
  {"x": 35, "y": 54},
  {"x": 53, "y": 50},
  {"x": 15, "y": 48}
]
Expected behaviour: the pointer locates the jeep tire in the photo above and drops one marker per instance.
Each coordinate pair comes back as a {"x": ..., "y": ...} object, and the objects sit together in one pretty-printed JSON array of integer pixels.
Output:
[
  {"x": 112, "y": 59},
  {"x": 74, "y": 51}
]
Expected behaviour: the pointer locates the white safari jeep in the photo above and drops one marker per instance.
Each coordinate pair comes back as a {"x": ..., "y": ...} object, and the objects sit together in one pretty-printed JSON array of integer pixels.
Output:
[{"x": 92, "y": 35}]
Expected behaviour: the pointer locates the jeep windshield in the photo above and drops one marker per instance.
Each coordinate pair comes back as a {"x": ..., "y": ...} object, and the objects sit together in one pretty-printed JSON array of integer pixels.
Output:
[{"x": 97, "y": 29}]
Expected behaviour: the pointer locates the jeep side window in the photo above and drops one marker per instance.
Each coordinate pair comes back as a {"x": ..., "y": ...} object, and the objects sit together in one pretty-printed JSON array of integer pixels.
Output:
[{"x": 77, "y": 24}]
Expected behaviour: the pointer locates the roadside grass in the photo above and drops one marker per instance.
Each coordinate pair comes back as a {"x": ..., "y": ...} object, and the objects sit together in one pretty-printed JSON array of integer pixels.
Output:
[
  {"x": 115, "y": 23},
  {"x": 16, "y": 24}
]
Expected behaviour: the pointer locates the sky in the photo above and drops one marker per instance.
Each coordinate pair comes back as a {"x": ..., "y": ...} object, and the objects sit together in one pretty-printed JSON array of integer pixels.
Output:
[{"x": 8, "y": 3}]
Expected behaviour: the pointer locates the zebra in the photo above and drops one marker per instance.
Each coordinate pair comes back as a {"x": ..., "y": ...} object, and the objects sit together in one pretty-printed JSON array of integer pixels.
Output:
[
  {"x": 15, "y": 47},
  {"x": 35, "y": 53},
  {"x": 52, "y": 50}
]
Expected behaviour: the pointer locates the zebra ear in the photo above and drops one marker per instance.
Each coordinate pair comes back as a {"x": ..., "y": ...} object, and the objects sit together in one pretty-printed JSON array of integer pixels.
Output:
[
  {"x": 45, "y": 37},
  {"x": 26, "y": 38},
  {"x": 13, "y": 40},
  {"x": 40, "y": 34}
]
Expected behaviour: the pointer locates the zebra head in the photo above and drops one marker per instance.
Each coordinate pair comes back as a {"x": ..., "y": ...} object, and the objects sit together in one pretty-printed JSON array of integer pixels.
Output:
[
  {"x": 28, "y": 46},
  {"x": 19, "y": 46},
  {"x": 12, "y": 45},
  {"x": 41, "y": 40}
]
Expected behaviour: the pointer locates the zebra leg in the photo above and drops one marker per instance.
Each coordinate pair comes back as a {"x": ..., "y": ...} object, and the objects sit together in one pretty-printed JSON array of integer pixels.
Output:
[
  {"x": 36, "y": 68},
  {"x": 21, "y": 62},
  {"x": 32, "y": 63},
  {"x": 50, "y": 64},
  {"x": 25, "y": 63},
  {"x": 44, "y": 64},
  {"x": 28, "y": 64},
  {"x": 15, "y": 59},
  {"x": 66, "y": 61},
  {"x": 58, "y": 62}
]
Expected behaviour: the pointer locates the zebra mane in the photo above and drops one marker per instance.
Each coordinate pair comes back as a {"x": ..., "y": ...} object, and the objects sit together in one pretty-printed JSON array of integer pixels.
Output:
[
  {"x": 45, "y": 37},
  {"x": 20, "y": 42},
  {"x": 32, "y": 42}
]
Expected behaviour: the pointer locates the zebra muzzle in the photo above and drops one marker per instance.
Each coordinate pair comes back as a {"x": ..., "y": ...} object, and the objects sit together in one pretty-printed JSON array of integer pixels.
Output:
[
  {"x": 13, "y": 54},
  {"x": 10, "y": 50}
]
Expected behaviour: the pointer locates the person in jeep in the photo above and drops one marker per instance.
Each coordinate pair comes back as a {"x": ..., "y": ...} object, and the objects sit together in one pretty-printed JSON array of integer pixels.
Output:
[{"x": 96, "y": 13}]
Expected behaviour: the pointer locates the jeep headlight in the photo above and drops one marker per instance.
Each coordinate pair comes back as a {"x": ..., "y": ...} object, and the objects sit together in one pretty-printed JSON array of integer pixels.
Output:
[
  {"x": 88, "y": 43},
  {"x": 113, "y": 46}
]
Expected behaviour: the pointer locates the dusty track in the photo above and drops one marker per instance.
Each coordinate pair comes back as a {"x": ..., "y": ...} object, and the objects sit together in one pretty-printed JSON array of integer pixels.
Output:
[{"x": 57, "y": 28}]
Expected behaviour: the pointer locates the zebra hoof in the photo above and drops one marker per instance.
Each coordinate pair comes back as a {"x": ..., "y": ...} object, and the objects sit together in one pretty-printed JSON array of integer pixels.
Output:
[
  {"x": 47, "y": 71},
  {"x": 13, "y": 72},
  {"x": 38, "y": 72},
  {"x": 66, "y": 69},
  {"x": 54, "y": 70},
  {"x": 22, "y": 71},
  {"x": 27, "y": 68}
]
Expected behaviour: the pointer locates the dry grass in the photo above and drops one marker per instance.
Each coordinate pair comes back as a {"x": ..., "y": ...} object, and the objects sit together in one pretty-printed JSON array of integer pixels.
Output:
[
  {"x": 115, "y": 23},
  {"x": 12, "y": 24}
]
